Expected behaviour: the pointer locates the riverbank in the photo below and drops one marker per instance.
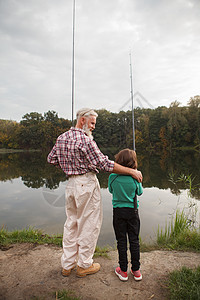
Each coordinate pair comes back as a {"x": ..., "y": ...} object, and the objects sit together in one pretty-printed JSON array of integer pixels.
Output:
[
  {"x": 5, "y": 150},
  {"x": 30, "y": 271}
]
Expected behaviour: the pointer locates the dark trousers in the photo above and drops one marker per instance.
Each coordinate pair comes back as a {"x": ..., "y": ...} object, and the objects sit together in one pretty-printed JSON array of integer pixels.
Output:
[{"x": 126, "y": 221}]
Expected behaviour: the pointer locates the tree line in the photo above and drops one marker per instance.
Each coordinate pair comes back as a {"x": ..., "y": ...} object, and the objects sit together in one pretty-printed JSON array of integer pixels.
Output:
[
  {"x": 34, "y": 131},
  {"x": 159, "y": 129}
]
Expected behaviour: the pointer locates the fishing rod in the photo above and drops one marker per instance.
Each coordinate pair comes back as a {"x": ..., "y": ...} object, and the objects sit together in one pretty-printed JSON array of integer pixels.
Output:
[
  {"x": 131, "y": 78},
  {"x": 73, "y": 51}
]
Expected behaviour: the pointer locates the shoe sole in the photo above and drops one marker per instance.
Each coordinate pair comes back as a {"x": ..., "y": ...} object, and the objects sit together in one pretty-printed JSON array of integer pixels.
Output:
[
  {"x": 136, "y": 278},
  {"x": 67, "y": 274},
  {"x": 91, "y": 270},
  {"x": 83, "y": 275},
  {"x": 121, "y": 277}
]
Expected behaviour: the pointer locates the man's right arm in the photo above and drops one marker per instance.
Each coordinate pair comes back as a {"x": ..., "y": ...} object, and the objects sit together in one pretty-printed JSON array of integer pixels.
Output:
[{"x": 118, "y": 169}]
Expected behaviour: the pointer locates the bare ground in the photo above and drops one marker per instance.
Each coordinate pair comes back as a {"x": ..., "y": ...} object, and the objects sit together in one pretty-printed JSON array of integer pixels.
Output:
[{"x": 28, "y": 271}]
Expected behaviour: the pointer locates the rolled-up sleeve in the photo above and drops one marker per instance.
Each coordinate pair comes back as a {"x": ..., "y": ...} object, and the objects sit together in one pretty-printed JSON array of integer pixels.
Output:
[
  {"x": 52, "y": 158},
  {"x": 109, "y": 185},
  {"x": 139, "y": 189},
  {"x": 98, "y": 159}
]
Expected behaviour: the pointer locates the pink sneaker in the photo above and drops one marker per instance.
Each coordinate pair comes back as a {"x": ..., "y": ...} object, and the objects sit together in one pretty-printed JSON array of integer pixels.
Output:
[
  {"x": 122, "y": 275},
  {"x": 137, "y": 275}
]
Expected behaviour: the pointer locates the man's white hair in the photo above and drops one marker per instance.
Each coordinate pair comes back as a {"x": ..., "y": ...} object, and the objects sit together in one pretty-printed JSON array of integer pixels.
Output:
[{"x": 86, "y": 112}]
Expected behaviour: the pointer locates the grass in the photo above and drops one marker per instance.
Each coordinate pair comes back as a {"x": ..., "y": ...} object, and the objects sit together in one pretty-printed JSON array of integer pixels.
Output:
[
  {"x": 36, "y": 236},
  {"x": 185, "y": 284},
  {"x": 65, "y": 295},
  {"x": 29, "y": 235},
  {"x": 102, "y": 251},
  {"x": 182, "y": 233},
  {"x": 59, "y": 295},
  {"x": 147, "y": 247},
  {"x": 178, "y": 235}
]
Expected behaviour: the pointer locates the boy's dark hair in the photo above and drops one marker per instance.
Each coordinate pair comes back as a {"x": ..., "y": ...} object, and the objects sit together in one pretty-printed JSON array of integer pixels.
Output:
[{"x": 127, "y": 158}]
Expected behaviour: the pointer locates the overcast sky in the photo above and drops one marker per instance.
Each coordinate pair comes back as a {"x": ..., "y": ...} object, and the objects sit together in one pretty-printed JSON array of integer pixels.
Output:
[{"x": 36, "y": 54}]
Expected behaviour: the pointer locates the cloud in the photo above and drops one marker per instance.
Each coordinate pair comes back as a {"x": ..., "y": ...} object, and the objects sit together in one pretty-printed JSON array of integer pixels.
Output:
[{"x": 36, "y": 54}]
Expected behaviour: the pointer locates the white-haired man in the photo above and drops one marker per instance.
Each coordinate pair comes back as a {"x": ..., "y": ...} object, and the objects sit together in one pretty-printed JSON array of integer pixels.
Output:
[{"x": 79, "y": 157}]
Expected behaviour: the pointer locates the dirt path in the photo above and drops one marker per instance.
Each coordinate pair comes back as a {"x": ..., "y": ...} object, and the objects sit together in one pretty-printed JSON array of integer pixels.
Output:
[{"x": 28, "y": 271}]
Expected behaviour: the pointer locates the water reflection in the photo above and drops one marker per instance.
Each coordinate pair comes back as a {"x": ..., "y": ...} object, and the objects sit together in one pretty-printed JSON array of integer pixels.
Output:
[
  {"x": 22, "y": 207},
  {"x": 35, "y": 172},
  {"x": 44, "y": 208},
  {"x": 32, "y": 193}
]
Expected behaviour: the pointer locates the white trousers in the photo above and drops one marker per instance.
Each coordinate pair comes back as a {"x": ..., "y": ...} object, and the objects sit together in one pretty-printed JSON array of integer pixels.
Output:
[{"x": 84, "y": 219}]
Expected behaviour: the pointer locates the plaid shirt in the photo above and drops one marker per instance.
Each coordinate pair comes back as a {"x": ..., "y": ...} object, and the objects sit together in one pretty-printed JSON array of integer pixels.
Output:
[{"x": 77, "y": 154}]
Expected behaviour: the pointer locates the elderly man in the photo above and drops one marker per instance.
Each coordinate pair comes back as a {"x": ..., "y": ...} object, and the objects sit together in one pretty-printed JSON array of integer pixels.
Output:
[{"x": 79, "y": 157}]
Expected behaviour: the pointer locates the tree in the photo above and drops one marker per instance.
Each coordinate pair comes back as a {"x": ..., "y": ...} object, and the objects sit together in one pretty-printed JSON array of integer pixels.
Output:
[
  {"x": 31, "y": 119},
  {"x": 193, "y": 117},
  {"x": 177, "y": 125},
  {"x": 31, "y": 134},
  {"x": 52, "y": 117},
  {"x": 8, "y": 132}
]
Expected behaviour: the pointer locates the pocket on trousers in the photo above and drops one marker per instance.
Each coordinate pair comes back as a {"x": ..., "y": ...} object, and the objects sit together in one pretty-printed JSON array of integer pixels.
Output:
[{"x": 83, "y": 194}]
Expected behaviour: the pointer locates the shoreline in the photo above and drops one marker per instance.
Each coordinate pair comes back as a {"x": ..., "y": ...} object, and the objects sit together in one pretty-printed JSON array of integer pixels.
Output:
[{"x": 4, "y": 150}]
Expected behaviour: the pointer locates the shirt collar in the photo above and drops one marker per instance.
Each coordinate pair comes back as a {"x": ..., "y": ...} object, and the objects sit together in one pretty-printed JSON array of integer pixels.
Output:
[
  {"x": 78, "y": 129},
  {"x": 81, "y": 130}
]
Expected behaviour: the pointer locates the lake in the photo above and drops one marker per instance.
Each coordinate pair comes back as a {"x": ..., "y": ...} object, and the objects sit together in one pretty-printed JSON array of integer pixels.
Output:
[{"x": 32, "y": 193}]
